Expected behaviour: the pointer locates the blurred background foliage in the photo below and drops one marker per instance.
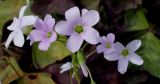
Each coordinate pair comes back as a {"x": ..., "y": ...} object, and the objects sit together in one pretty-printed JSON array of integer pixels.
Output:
[{"x": 127, "y": 19}]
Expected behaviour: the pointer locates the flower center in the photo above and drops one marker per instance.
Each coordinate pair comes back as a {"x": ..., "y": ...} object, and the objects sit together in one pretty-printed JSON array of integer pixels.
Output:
[
  {"x": 108, "y": 45},
  {"x": 79, "y": 29},
  {"x": 49, "y": 34},
  {"x": 125, "y": 53}
]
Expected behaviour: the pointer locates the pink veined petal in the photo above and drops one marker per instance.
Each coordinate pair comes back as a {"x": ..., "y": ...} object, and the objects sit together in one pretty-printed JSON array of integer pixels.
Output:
[
  {"x": 111, "y": 56},
  {"x": 122, "y": 65},
  {"x": 18, "y": 39},
  {"x": 72, "y": 14},
  {"x": 90, "y": 18},
  {"x": 44, "y": 45},
  {"x": 53, "y": 37},
  {"x": 28, "y": 20},
  {"x": 16, "y": 25},
  {"x": 100, "y": 48},
  {"x": 22, "y": 10},
  {"x": 64, "y": 28},
  {"x": 49, "y": 21},
  {"x": 133, "y": 45},
  {"x": 91, "y": 36},
  {"x": 84, "y": 11},
  {"x": 118, "y": 46},
  {"x": 10, "y": 38},
  {"x": 37, "y": 35},
  {"x": 74, "y": 42},
  {"x": 103, "y": 40},
  {"x": 136, "y": 59},
  {"x": 110, "y": 38},
  {"x": 39, "y": 24},
  {"x": 84, "y": 69}
]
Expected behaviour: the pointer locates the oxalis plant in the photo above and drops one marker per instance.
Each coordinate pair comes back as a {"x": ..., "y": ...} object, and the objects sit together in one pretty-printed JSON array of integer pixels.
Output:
[{"x": 71, "y": 35}]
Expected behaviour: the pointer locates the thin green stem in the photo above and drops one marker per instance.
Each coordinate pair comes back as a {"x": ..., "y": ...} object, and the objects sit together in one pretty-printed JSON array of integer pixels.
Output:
[
  {"x": 71, "y": 74},
  {"x": 91, "y": 54},
  {"x": 84, "y": 46},
  {"x": 75, "y": 67},
  {"x": 92, "y": 81}
]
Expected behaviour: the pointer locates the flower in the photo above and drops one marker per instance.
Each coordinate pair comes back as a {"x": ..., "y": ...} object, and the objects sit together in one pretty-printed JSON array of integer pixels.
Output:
[
  {"x": 79, "y": 27},
  {"x": 107, "y": 44},
  {"x": 68, "y": 65},
  {"x": 44, "y": 32},
  {"x": 17, "y": 28},
  {"x": 65, "y": 67},
  {"x": 125, "y": 54},
  {"x": 84, "y": 69}
]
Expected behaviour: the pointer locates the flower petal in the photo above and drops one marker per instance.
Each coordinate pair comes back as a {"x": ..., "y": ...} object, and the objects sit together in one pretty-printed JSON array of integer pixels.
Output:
[
  {"x": 10, "y": 38},
  {"x": 64, "y": 28},
  {"x": 74, "y": 42},
  {"x": 37, "y": 35},
  {"x": 100, "y": 48},
  {"x": 28, "y": 20},
  {"x": 133, "y": 45},
  {"x": 44, "y": 45},
  {"x": 16, "y": 25},
  {"x": 122, "y": 65},
  {"x": 110, "y": 38},
  {"x": 84, "y": 69},
  {"x": 91, "y": 36},
  {"x": 65, "y": 67},
  {"x": 72, "y": 14},
  {"x": 22, "y": 10},
  {"x": 118, "y": 46},
  {"x": 110, "y": 50},
  {"x": 135, "y": 59},
  {"x": 111, "y": 56},
  {"x": 53, "y": 37},
  {"x": 90, "y": 18},
  {"x": 103, "y": 40},
  {"x": 39, "y": 24},
  {"x": 18, "y": 39},
  {"x": 49, "y": 21},
  {"x": 84, "y": 11}
]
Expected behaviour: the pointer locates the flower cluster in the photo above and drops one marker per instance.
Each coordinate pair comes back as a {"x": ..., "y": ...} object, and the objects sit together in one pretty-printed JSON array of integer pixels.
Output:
[
  {"x": 116, "y": 51},
  {"x": 78, "y": 27}
]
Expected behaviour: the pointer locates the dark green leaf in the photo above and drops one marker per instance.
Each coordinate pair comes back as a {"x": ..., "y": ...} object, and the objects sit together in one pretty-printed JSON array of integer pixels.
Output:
[
  {"x": 136, "y": 20},
  {"x": 150, "y": 53}
]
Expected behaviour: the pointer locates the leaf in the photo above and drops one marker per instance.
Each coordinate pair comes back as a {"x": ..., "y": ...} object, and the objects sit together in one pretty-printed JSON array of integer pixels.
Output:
[
  {"x": 36, "y": 78},
  {"x": 56, "y": 52},
  {"x": 80, "y": 57},
  {"x": 9, "y": 70},
  {"x": 91, "y": 4},
  {"x": 136, "y": 20},
  {"x": 9, "y": 9},
  {"x": 150, "y": 53}
]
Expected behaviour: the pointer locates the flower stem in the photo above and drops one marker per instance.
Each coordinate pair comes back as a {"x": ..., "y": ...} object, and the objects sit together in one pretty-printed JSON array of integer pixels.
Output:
[
  {"x": 91, "y": 54},
  {"x": 92, "y": 81},
  {"x": 71, "y": 74},
  {"x": 84, "y": 46}
]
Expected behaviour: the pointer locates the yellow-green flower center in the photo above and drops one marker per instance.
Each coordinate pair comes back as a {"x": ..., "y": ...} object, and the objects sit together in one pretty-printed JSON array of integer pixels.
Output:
[
  {"x": 49, "y": 34},
  {"x": 125, "y": 53},
  {"x": 79, "y": 29},
  {"x": 108, "y": 45}
]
